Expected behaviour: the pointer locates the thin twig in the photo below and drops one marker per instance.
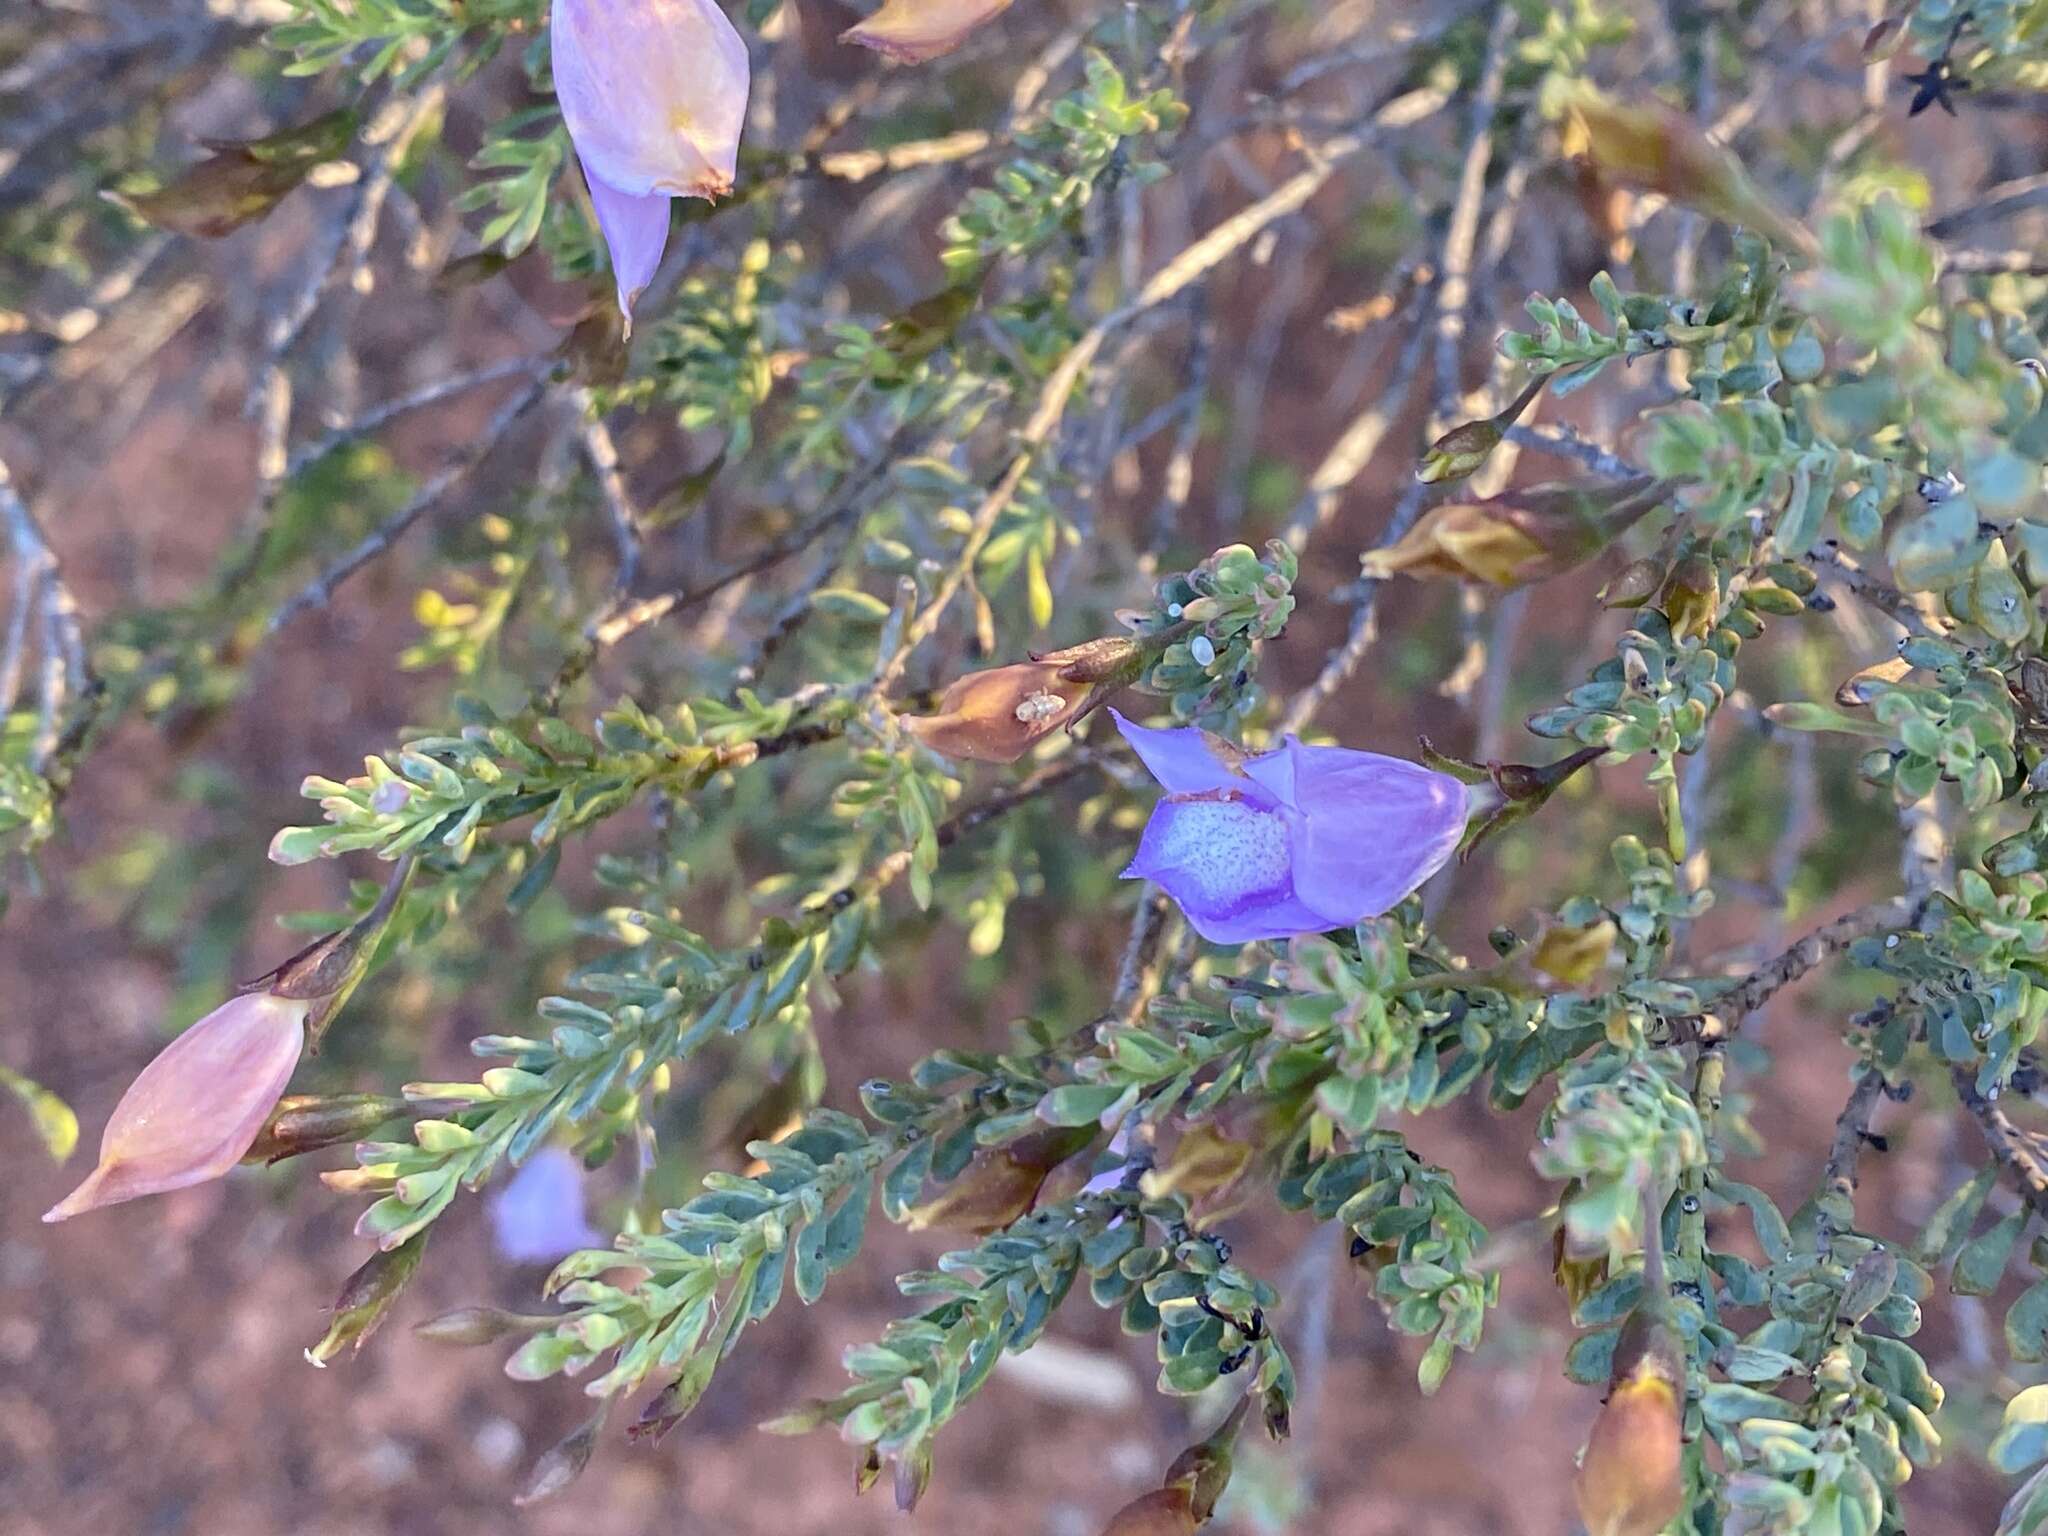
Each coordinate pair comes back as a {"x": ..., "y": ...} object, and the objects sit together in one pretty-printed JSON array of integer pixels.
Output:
[
  {"x": 2019, "y": 1153},
  {"x": 320, "y": 590}
]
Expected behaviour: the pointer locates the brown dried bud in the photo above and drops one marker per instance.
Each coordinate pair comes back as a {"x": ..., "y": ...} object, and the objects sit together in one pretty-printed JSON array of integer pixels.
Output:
[
  {"x": 563, "y": 1462},
  {"x": 1577, "y": 1277},
  {"x": 1633, "y": 585},
  {"x": 1691, "y": 599},
  {"x": 1525, "y": 536},
  {"x": 366, "y": 1296},
  {"x": 479, "y": 1325},
  {"x": 1660, "y": 150},
  {"x": 1459, "y": 452},
  {"x": 867, "y": 1470},
  {"x": 241, "y": 181},
  {"x": 1630, "y": 1480},
  {"x": 998, "y": 715},
  {"x": 307, "y": 1122},
  {"x": 914, "y": 31},
  {"x": 1001, "y": 1184},
  {"x": 1162, "y": 1512},
  {"x": 1573, "y": 956}
]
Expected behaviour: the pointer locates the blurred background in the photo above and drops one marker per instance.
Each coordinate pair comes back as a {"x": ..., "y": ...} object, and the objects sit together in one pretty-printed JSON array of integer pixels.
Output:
[{"x": 151, "y": 1379}]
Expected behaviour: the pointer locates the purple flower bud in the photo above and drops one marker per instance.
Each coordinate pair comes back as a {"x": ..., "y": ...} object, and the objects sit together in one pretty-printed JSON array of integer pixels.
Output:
[
  {"x": 654, "y": 93},
  {"x": 538, "y": 1216},
  {"x": 192, "y": 1113},
  {"x": 1292, "y": 841}
]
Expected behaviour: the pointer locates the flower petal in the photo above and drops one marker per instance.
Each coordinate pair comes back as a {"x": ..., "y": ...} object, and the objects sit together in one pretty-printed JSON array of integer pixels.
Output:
[
  {"x": 912, "y": 31},
  {"x": 194, "y": 1110},
  {"x": 1182, "y": 760},
  {"x": 635, "y": 232},
  {"x": 1368, "y": 829},
  {"x": 654, "y": 92},
  {"x": 538, "y": 1216}
]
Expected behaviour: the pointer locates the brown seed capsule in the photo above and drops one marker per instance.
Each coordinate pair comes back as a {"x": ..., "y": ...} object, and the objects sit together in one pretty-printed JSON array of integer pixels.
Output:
[{"x": 1001, "y": 1184}]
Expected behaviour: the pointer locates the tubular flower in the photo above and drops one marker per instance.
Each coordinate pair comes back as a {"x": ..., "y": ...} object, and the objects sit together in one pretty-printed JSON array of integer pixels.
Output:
[
  {"x": 1297, "y": 840},
  {"x": 913, "y": 31},
  {"x": 539, "y": 1216},
  {"x": 654, "y": 93},
  {"x": 197, "y": 1108}
]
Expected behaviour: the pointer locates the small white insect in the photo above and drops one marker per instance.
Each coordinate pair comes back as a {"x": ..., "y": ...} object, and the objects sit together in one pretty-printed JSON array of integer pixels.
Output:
[{"x": 1038, "y": 706}]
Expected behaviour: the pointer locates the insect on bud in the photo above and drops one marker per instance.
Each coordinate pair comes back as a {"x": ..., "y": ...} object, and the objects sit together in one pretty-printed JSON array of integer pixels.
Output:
[
  {"x": 998, "y": 715},
  {"x": 366, "y": 1296}
]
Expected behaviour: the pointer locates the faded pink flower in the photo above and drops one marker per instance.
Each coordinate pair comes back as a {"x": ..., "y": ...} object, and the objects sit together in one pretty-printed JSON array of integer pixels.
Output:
[
  {"x": 912, "y": 31},
  {"x": 197, "y": 1108},
  {"x": 655, "y": 94}
]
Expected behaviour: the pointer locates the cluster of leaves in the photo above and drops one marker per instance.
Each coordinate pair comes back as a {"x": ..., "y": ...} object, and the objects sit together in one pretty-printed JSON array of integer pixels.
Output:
[{"x": 1855, "y": 401}]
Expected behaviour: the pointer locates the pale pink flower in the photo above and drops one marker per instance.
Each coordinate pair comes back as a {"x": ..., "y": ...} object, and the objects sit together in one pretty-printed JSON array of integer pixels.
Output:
[
  {"x": 655, "y": 94},
  {"x": 912, "y": 31},
  {"x": 193, "y": 1111}
]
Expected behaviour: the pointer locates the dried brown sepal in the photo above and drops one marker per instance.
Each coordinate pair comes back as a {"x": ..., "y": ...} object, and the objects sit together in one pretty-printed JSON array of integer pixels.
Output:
[
  {"x": 1525, "y": 536},
  {"x": 308, "y": 1122},
  {"x": 242, "y": 180},
  {"x": 1633, "y": 585},
  {"x": 563, "y": 1462},
  {"x": 366, "y": 1297},
  {"x": 1000, "y": 1185},
  {"x": 466, "y": 1326},
  {"x": 1650, "y": 146}
]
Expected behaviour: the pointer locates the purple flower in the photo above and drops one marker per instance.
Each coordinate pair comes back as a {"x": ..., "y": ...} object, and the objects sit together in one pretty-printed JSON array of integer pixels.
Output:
[
  {"x": 1296, "y": 840},
  {"x": 538, "y": 1216},
  {"x": 655, "y": 94}
]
